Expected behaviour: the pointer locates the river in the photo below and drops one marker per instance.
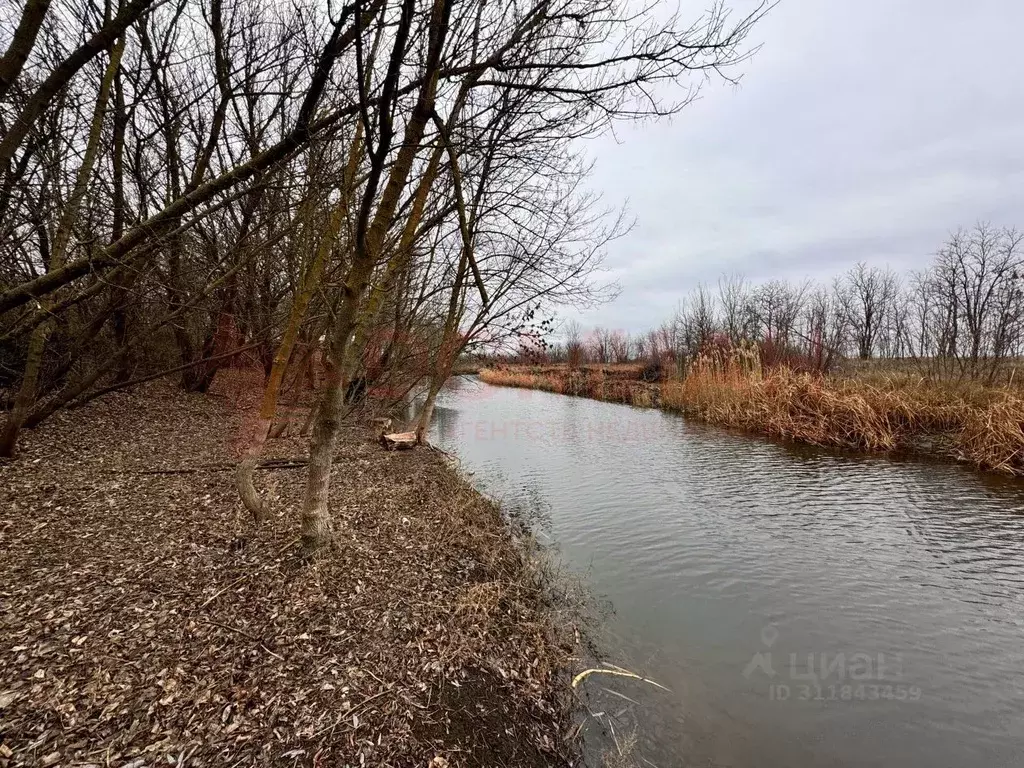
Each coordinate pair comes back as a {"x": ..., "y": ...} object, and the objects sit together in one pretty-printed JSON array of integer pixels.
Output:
[{"x": 804, "y": 607}]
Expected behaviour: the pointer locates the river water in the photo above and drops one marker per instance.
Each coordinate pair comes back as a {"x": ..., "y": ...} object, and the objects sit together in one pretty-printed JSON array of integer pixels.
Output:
[{"x": 804, "y": 607}]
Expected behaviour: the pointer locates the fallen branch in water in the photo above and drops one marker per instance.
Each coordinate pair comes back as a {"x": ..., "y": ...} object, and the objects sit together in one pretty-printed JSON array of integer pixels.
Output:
[{"x": 620, "y": 672}]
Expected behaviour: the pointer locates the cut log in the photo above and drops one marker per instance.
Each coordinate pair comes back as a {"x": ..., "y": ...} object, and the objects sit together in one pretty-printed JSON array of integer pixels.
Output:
[{"x": 397, "y": 441}]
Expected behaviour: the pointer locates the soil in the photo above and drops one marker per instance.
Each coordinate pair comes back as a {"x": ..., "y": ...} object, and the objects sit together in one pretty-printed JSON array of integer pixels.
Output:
[{"x": 146, "y": 620}]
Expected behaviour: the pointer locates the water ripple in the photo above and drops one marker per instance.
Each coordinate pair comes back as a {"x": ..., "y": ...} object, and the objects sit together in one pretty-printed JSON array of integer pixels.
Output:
[{"x": 710, "y": 544}]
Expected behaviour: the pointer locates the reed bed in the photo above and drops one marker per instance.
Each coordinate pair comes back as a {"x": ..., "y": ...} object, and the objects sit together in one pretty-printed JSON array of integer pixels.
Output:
[
  {"x": 504, "y": 377},
  {"x": 593, "y": 383},
  {"x": 797, "y": 406},
  {"x": 993, "y": 437},
  {"x": 981, "y": 425}
]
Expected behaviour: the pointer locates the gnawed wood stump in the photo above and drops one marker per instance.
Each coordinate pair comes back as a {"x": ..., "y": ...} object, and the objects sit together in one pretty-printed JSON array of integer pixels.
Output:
[{"x": 398, "y": 441}]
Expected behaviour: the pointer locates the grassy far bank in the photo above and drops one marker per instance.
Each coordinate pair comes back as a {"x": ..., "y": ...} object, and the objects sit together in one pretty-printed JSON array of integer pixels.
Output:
[
  {"x": 863, "y": 409},
  {"x": 145, "y": 621}
]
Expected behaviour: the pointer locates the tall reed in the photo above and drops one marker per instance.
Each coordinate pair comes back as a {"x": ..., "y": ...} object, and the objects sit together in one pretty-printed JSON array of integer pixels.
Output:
[{"x": 993, "y": 437}]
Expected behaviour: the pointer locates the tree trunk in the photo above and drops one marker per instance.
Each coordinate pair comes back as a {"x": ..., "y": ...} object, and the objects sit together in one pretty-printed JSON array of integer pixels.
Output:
[
  {"x": 368, "y": 244},
  {"x": 62, "y": 239},
  {"x": 22, "y": 43},
  {"x": 275, "y": 367},
  {"x": 423, "y": 422},
  {"x": 27, "y": 392},
  {"x": 316, "y": 521},
  {"x": 275, "y": 375}
]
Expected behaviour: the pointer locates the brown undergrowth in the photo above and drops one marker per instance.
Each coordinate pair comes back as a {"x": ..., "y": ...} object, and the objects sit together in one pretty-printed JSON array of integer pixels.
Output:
[
  {"x": 144, "y": 621},
  {"x": 980, "y": 425}
]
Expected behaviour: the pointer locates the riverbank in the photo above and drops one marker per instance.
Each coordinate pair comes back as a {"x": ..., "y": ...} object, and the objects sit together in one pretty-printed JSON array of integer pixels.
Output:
[
  {"x": 146, "y": 621},
  {"x": 979, "y": 425}
]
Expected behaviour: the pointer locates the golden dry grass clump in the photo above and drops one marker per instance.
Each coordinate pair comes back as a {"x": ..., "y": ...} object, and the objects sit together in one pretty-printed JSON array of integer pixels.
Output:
[
  {"x": 879, "y": 413},
  {"x": 797, "y": 406},
  {"x": 993, "y": 437}
]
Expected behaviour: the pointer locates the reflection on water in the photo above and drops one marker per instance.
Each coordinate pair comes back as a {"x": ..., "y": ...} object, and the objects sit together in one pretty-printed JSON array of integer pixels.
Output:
[{"x": 806, "y": 608}]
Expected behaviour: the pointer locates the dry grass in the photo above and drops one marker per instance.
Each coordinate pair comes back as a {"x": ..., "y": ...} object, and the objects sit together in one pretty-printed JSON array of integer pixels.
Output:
[
  {"x": 796, "y": 406},
  {"x": 613, "y": 384},
  {"x": 526, "y": 379},
  {"x": 977, "y": 424},
  {"x": 993, "y": 437}
]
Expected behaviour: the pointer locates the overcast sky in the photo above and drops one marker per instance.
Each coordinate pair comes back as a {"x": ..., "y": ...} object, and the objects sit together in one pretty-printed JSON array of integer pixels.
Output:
[{"x": 862, "y": 130}]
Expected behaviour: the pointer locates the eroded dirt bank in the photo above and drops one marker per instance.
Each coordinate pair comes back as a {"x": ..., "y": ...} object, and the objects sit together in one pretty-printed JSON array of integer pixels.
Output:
[{"x": 145, "y": 621}]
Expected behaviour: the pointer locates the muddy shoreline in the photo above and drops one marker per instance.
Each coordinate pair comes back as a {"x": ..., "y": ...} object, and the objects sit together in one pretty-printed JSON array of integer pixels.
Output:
[{"x": 145, "y": 620}]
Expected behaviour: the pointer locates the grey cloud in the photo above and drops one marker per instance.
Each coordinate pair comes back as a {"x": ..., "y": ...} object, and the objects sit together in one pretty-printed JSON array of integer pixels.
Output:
[{"x": 863, "y": 129}]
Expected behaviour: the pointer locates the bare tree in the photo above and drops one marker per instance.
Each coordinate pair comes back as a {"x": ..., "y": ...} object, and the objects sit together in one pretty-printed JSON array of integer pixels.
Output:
[
  {"x": 640, "y": 347},
  {"x": 697, "y": 320},
  {"x": 866, "y": 292},
  {"x": 619, "y": 344},
  {"x": 733, "y": 299},
  {"x": 601, "y": 345},
  {"x": 825, "y": 328},
  {"x": 574, "y": 347},
  {"x": 977, "y": 285}
]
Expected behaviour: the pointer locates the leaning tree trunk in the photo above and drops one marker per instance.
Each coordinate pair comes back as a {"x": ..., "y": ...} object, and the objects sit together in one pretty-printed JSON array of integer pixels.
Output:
[
  {"x": 316, "y": 520},
  {"x": 268, "y": 408},
  {"x": 22, "y": 43},
  {"x": 369, "y": 242},
  {"x": 427, "y": 411},
  {"x": 275, "y": 376},
  {"x": 26, "y": 396},
  {"x": 37, "y": 343},
  {"x": 449, "y": 348}
]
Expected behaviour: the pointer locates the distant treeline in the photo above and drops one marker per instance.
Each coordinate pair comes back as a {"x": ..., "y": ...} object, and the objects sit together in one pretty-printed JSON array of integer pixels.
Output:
[{"x": 962, "y": 315}]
